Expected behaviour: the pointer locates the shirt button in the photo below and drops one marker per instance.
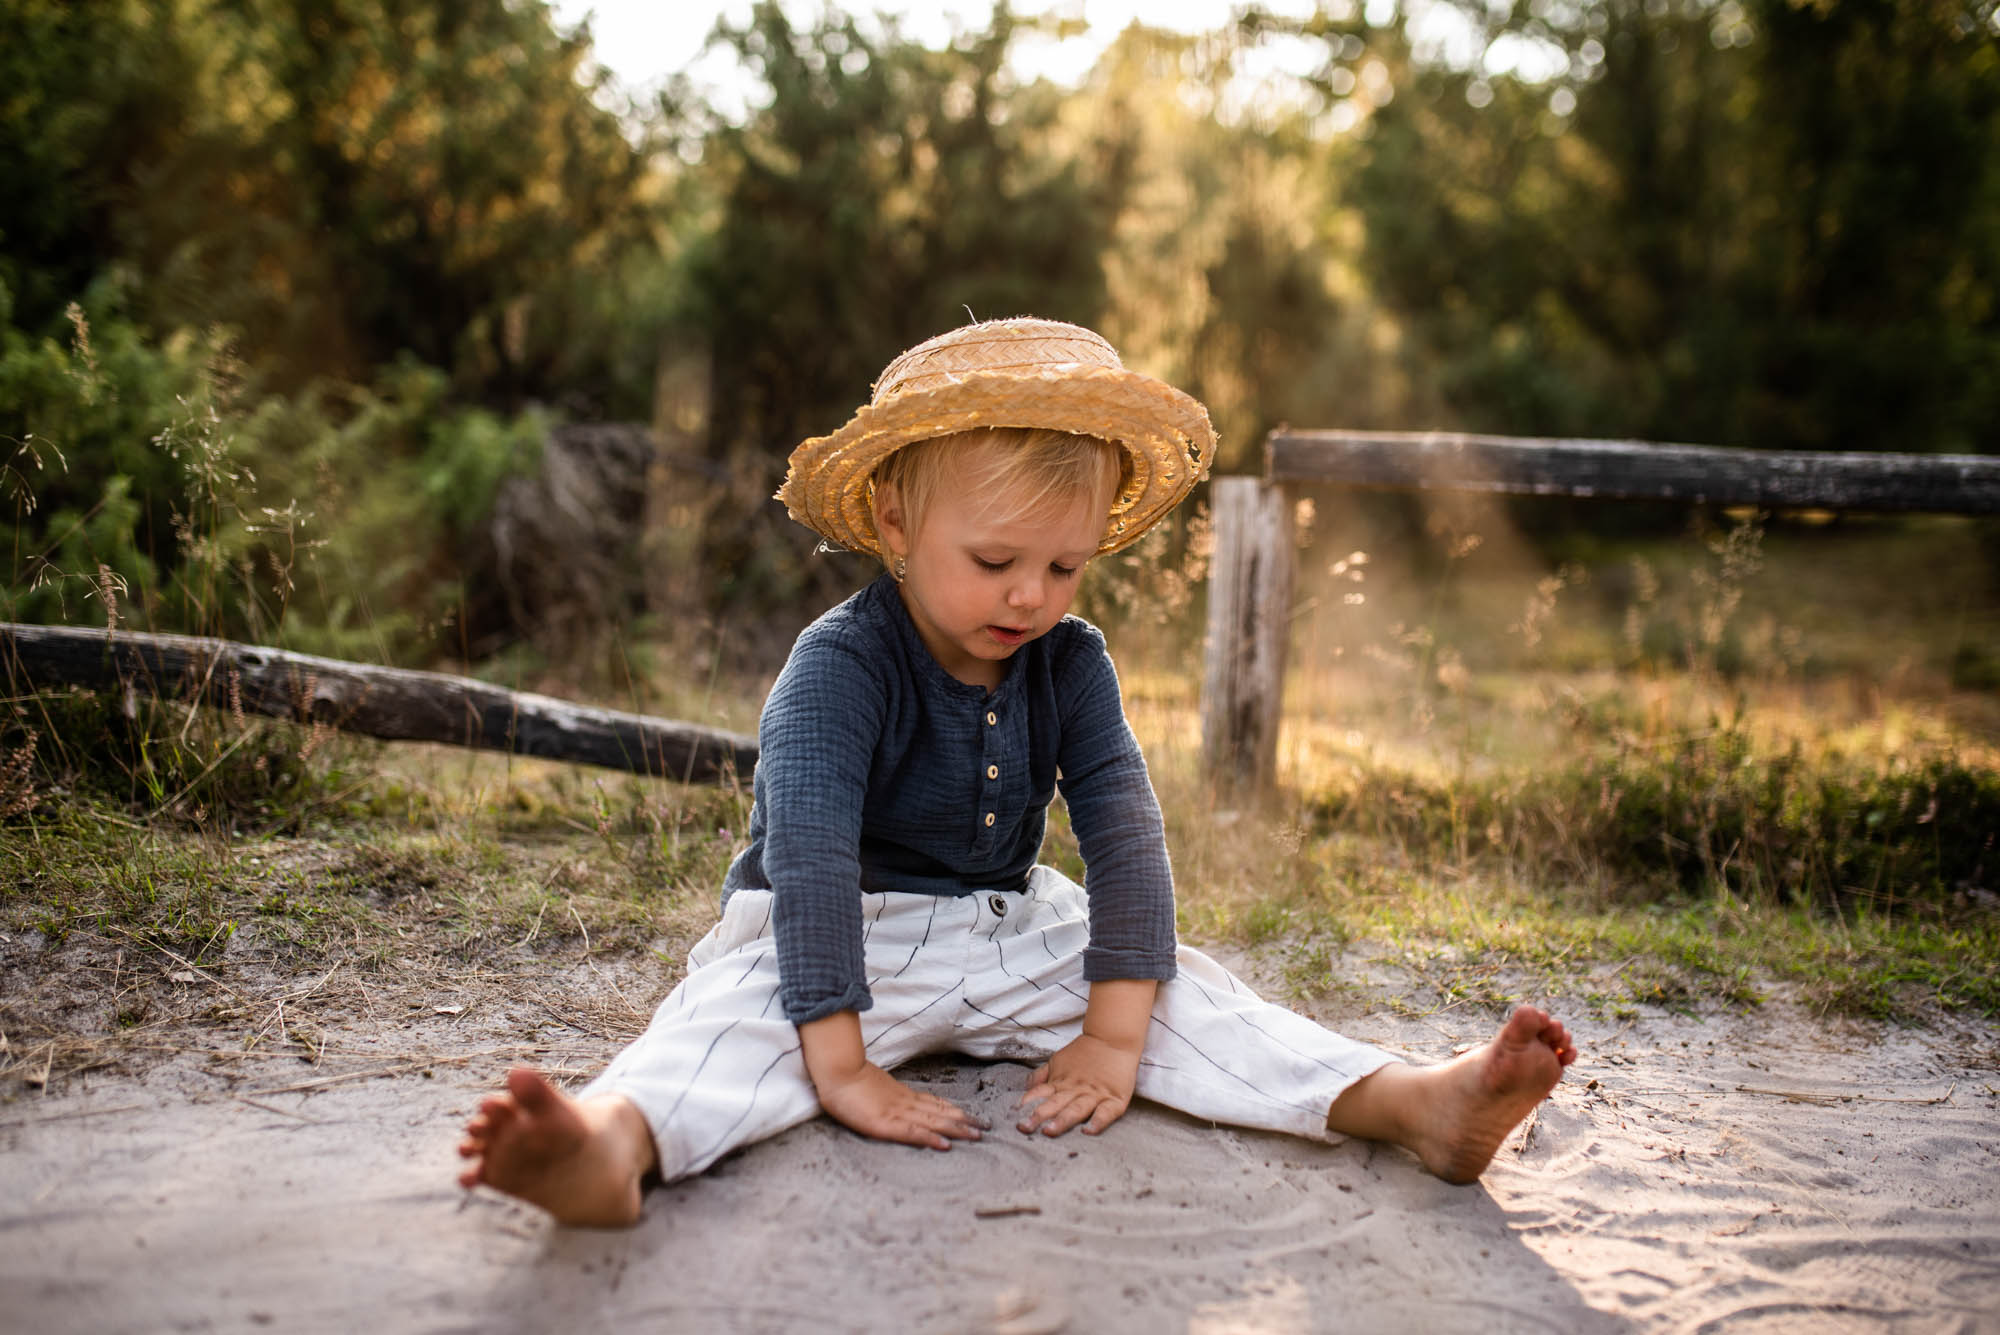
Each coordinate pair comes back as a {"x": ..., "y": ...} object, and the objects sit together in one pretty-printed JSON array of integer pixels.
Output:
[
  {"x": 998, "y": 905},
  {"x": 989, "y": 818},
  {"x": 992, "y": 771},
  {"x": 991, "y": 718}
]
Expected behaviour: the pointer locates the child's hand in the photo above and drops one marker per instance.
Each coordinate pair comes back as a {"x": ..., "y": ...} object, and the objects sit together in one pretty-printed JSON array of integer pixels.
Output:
[
  {"x": 878, "y": 1105},
  {"x": 1088, "y": 1078}
]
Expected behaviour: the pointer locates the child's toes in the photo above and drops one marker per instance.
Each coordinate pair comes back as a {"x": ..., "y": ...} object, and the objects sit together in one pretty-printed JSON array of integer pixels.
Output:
[{"x": 497, "y": 1117}]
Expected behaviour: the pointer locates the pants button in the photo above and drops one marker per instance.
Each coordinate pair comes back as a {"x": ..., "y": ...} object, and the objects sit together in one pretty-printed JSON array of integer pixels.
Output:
[{"x": 998, "y": 905}]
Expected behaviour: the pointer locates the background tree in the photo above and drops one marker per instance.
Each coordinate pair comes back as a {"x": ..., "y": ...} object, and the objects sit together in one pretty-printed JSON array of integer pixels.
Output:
[
  {"x": 885, "y": 188},
  {"x": 1771, "y": 227},
  {"x": 885, "y": 191},
  {"x": 357, "y": 261}
]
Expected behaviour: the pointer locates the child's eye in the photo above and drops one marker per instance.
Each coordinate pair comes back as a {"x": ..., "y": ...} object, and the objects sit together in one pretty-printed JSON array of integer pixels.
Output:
[
  {"x": 1063, "y": 572},
  {"x": 985, "y": 564}
]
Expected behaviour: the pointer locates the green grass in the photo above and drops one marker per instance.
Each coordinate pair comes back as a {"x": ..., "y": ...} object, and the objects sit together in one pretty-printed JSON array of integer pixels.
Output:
[
  {"x": 1462, "y": 817},
  {"x": 175, "y": 830},
  {"x": 1439, "y": 942},
  {"x": 1481, "y": 817}
]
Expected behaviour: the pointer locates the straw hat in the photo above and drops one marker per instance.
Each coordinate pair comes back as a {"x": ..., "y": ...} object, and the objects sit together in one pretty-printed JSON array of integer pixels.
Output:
[{"x": 1022, "y": 372}]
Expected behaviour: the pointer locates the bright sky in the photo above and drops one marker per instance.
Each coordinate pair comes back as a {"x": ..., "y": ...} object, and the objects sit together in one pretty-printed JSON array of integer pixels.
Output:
[{"x": 641, "y": 41}]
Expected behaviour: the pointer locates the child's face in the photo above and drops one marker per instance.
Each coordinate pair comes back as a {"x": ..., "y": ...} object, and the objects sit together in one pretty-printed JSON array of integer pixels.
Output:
[{"x": 978, "y": 588}]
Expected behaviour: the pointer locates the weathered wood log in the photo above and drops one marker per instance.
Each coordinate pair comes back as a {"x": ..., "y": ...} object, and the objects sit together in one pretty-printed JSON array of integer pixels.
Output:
[
  {"x": 1249, "y": 621},
  {"x": 1637, "y": 470},
  {"x": 391, "y": 703}
]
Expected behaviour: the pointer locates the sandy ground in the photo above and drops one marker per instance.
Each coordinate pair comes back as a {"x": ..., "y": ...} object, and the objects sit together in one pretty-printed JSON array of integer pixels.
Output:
[{"x": 1742, "y": 1173}]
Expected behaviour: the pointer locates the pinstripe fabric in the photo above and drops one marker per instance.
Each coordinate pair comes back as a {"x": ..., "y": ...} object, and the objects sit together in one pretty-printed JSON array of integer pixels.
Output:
[
  {"x": 879, "y": 771},
  {"x": 993, "y": 975}
]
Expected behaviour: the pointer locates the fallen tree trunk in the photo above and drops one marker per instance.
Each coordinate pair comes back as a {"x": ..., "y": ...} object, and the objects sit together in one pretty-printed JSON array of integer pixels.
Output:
[{"x": 392, "y": 703}]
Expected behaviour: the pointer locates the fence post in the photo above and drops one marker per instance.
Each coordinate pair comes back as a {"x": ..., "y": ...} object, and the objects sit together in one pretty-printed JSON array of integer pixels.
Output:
[{"x": 1249, "y": 621}]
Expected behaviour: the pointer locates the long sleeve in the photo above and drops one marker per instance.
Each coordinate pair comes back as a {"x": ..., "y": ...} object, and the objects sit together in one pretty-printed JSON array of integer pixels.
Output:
[
  {"x": 817, "y": 738},
  {"x": 1119, "y": 830}
]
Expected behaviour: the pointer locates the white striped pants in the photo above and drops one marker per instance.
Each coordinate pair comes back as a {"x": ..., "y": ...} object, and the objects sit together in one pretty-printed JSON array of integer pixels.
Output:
[{"x": 988, "y": 975}]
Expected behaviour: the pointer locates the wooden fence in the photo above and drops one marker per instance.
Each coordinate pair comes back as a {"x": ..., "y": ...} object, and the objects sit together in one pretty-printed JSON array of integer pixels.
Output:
[
  {"x": 1249, "y": 609},
  {"x": 393, "y": 703},
  {"x": 1252, "y": 577}
]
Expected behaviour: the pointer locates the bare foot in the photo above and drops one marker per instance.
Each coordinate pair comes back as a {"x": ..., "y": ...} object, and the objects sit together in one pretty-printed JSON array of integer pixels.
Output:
[
  {"x": 579, "y": 1161},
  {"x": 1454, "y": 1116}
]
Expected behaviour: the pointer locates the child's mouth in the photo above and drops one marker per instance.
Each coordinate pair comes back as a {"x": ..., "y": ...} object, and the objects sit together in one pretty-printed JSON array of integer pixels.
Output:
[{"x": 1007, "y": 635}]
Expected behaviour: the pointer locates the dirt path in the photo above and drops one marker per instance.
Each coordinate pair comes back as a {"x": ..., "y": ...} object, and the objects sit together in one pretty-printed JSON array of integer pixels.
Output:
[{"x": 1742, "y": 1173}]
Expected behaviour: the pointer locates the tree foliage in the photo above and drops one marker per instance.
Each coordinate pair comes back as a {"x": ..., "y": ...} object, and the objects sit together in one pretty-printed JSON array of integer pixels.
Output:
[
  {"x": 336, "y": 266},
  {"x": 1770, "y": 226},
  {"x": 338, "y": 183},
  {"x": 886, "y": 190}
]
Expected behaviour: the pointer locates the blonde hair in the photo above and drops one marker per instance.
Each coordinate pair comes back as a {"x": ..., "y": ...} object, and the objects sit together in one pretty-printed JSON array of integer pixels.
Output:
[{"x": 1019, "y": 471}]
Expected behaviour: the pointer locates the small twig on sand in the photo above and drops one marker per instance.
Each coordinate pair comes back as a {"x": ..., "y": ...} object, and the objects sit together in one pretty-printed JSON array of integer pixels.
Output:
[
  {"x": 400, "y": 1068},
  {"x": 1942, "y": 1098},
  {"x": 640, "y": 1015},
  {"x": 273, "y": 1108},
  {"x": 301, "y": 996},
  {"x": 1528, "y": 1132},
  {"x": 1796, "y": 1095},
  {"x": 1829, "y": 1100},
  {"x": 184, "y": 961},
  {"x": 73, "y": 1113},
  {"x": 573, "y": 1022},
  {"x": 1004, "y": 1211},
  {"x": 536, "y": 929}
]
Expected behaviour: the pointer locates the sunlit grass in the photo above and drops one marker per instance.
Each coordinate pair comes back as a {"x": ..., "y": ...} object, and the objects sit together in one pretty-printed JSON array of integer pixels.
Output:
[
  {"x": 1459, "y": 818},
  {"x": 1629, "y": 809}
]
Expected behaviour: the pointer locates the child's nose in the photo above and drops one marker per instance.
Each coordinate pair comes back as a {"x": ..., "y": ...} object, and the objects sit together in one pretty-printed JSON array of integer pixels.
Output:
[{"x": 1027, "y": 594}]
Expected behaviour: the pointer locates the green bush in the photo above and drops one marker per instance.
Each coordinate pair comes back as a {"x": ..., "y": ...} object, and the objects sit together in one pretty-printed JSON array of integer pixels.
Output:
[
  {"x": 75, "y": 751},
  {"x": 93, "y": 501},
  {"x": 387, "y": 493},
  {"x": 1709, "y": 812},
  {"x": 132, "y": 499}
]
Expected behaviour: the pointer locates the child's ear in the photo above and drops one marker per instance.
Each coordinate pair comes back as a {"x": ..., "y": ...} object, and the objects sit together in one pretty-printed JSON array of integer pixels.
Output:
[{"x": 888, "y": 507}]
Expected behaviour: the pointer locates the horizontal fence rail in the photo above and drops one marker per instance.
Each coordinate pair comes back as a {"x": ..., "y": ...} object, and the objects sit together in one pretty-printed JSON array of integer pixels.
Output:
[
  {"x": 1240, "y": 707},
  {"x": 1637, "y": 470},
  {"x": 395, "y": 704}
]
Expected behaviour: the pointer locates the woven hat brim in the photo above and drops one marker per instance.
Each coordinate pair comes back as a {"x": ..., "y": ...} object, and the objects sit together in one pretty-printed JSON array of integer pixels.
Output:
[{"x": 1166, "y": 436}]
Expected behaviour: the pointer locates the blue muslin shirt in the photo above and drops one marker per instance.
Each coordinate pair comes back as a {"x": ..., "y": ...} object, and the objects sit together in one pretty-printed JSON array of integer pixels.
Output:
[{"x": 880, "y": 771}]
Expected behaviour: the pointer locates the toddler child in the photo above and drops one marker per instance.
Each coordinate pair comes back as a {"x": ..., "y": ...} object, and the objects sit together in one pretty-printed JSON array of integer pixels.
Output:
[{"x": 889, "y": 903}]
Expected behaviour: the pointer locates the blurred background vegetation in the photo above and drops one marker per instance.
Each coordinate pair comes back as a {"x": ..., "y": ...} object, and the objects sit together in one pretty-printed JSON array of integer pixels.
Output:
[
  {"x": 314, "y": 314},
  {"x": 397, "y": 331}
]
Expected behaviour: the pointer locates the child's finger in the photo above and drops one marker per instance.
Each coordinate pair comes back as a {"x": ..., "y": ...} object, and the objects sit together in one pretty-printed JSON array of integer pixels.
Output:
[
  {"x": 1055, "y": 1114},
  {"x": 944, "y": 1116},
  {"x": 924, "y": 1137},
  {"x": 1032, "y": 1102},
  {"x": 1074, "y": 1110},
  {"x": 958, "y": 1127},
  {"x": 1107, "y": 1112},
  {"x": 908, "y": 1127},
  {"x": 950, "y": 1112}
]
